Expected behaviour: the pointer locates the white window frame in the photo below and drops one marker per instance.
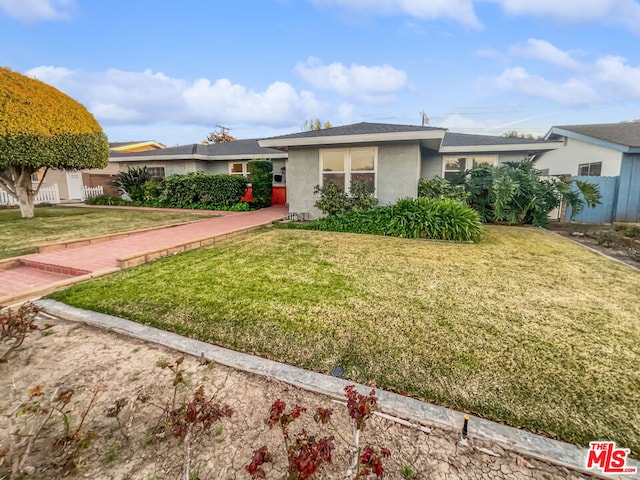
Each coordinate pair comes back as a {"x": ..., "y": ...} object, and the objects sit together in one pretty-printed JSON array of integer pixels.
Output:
[
  {"x": 347, "y": 166},
  {"x": 245, "y": 168},
  {"x": 589, "y": 165},
  {"x": 164, "y": 169},
  {"x": 469, "y": 161}
]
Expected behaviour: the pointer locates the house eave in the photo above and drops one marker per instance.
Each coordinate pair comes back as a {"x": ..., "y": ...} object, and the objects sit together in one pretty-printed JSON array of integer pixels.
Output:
[
  {"x": 351, "y": 139},
  {"x": 592, "y": 140},
  {"x": 151, "y": 158},
  {"x": 521, "y": 147}
]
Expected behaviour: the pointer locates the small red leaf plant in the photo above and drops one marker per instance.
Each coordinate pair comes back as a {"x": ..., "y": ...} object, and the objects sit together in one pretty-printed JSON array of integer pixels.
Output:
[{"x": 306, "y": 455}]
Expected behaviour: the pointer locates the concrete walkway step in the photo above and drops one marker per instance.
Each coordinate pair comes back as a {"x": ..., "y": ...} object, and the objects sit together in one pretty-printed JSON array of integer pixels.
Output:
[
  {"x": 52, "y": 268},
  {"x": 18, "y": 279}
]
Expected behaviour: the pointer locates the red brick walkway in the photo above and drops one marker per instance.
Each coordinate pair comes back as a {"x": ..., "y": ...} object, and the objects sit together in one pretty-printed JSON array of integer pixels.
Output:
[{"x": 53, "y": 266}]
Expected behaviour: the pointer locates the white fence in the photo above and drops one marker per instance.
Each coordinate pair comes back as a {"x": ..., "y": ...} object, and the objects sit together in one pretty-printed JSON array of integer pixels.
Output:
[
  {"x": 91, "y": 192},
  {"x": 45, "y": 195}
]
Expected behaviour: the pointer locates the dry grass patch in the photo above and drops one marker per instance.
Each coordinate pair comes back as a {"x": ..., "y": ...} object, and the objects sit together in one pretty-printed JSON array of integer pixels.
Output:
[
  {"x": 20, "y": 236},
  {"x": 525, "y": 328}
]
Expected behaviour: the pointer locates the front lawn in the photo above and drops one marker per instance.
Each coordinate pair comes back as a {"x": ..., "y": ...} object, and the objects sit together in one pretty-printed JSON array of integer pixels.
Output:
[
  {"x": 526, "y": 327},
  {"x": 56, "y": 224}
]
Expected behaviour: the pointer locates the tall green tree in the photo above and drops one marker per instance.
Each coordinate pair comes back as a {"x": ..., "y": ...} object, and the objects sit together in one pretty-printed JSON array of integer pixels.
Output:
[{"x": 42, "y": 128}]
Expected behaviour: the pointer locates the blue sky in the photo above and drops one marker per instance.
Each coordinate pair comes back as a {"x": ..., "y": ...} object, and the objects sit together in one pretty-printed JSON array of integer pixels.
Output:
[{"x": 172, "y": 70}]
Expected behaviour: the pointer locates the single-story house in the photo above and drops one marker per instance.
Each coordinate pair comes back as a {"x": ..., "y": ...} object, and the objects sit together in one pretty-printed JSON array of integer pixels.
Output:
[
  {"x": 391, "y": 158},
  {"x": 216, "y": 158},
  {"x": 609, "y": 155}
]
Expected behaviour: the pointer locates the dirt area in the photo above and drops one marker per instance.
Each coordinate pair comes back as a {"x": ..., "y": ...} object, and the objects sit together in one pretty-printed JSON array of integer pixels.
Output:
[
  {"x": 620, "y": 241},
  {"x": 87, "y": 360}
]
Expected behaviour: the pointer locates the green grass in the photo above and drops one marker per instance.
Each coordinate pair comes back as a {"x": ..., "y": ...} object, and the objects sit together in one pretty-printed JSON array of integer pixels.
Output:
[
  {"x": 55, "y": 224},
  {"x": 526, "y": 327}
]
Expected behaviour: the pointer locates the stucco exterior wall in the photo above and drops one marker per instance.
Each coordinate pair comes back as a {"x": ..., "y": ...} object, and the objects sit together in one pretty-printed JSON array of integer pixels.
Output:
[
  {"x": 60, "y": 177},
  {"x": 303, "y": 174},
  {"x": 112, "y": 168},
  {"x": 213, "y": 167},
  {"x": 171, "y": 167},
  {"x": 278, "y": 165},
  {"x": 430, "y": 165},
  {"x": 565, "y": 160},
  {"x": 398, "y": 170}
]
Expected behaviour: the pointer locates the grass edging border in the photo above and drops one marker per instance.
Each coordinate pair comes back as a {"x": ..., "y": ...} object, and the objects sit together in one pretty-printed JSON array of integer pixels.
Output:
[{"x": 513, "y": 439}]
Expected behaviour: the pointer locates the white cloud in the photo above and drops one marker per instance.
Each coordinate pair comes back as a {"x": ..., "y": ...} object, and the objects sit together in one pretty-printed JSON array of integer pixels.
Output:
[
  {"x": 607, "y": 78},
  {"x": 460, "y": 11},
  {"x": 621, "y": 12},
  {"x": 35, "y": 10},
  {"x": 545, "y": 51},
  {"x": 121, "y": 97},
  {"x": 370, "y": 84},
  {"x": 622, "y": 81},
  {"x": 618, "y": 12},
  {"x": 572, "y": 92}
]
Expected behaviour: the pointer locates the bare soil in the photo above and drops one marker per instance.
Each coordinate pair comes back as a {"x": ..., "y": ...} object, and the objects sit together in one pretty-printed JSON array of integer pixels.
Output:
[
  {"x": 603, "y": 238},
  {"x": 71, "y": 355}
]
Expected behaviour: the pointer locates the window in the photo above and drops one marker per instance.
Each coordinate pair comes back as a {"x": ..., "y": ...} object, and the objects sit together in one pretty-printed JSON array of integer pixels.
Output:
[
  {"x": 590, "y": 169},
  {"x": 344, "y": 165},
  {"x": 238, "y": 168},
  {"x": 36, "y": 176},
  {"x": 157, "y": 173},
  {"x": 455, "y": 165}
]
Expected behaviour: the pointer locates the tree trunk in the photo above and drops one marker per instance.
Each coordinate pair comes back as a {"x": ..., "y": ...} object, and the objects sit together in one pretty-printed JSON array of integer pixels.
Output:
[{"x": 26, "y": 196}]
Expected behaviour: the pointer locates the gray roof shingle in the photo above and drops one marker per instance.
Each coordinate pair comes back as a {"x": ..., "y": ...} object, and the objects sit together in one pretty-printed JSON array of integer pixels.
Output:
[
  {"x": 469, "y": 140},
  {"x": 249, "y": 148},
  {"x": 626, "y": 134},
  {"x": 363, "y": 128}
]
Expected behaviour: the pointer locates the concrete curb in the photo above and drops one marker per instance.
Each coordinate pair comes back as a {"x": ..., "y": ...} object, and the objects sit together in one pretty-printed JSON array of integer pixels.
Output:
[{"x": 523, "y": 442}]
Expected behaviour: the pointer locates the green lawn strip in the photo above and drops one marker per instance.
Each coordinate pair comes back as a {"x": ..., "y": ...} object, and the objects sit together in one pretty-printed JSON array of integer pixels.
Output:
[
  {"x": 55, "y": 224},
  {"x": 526, "y": 327}
]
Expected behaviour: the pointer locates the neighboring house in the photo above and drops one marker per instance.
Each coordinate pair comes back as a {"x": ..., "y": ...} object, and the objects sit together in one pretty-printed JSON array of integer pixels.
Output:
[
  {"x": 216, "y": 158},
  {"x": 104, "y": 177},
  {"x": 610, "y": 151},
  {"x": 136, "y": 146},
  {"x": 391, "y": 158}
]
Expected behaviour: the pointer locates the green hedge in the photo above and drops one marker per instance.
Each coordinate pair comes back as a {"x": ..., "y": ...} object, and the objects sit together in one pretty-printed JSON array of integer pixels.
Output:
[
  {"x": 439, "y": 219},
  {"x": 261, "y": 179},
  {"x": 104, "y": 200},
  {"x": 201, "y": 190}
]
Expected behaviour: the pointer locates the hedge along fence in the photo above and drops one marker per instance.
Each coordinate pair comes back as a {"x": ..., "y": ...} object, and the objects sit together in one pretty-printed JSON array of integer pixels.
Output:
[
  {"x": 438, "y": 219},
  {"x": 202, "y": 190},
  {"x": 261, "y": 179}
]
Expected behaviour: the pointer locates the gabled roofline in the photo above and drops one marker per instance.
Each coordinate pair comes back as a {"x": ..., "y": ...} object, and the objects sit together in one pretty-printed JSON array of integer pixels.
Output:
[
  {"x": 516, "y": 147},
  {"x": 594, "y": 141},
  {"x": 128, "y": 146},
  {"x": 358, "y": 138}
]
